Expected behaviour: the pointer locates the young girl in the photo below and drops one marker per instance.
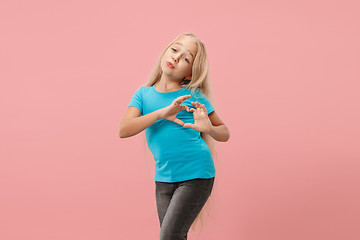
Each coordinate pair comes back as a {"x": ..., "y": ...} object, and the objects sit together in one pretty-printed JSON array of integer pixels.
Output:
[{"x": 174, "y": 109}]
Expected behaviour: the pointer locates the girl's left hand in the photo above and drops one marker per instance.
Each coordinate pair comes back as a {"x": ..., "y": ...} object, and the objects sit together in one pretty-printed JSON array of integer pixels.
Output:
[{"x": 202, "y": 122}]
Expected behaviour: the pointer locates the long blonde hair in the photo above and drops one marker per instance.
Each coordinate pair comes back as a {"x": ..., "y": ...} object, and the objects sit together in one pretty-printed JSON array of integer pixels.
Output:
[{"x": 199, "y": 81}]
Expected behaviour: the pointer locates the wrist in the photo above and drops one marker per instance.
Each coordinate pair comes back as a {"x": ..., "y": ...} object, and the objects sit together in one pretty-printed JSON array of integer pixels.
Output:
[
  {"x": 159, "y": 114},
  {"x": 210, "y": 130}
]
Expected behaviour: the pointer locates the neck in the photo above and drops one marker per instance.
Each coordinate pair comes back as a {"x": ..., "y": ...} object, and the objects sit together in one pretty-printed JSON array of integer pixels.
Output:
[{"x": 167, "y": 85}]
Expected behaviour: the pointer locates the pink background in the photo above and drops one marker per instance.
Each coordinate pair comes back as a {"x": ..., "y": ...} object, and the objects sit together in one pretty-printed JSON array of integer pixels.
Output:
[{"x": 285, "y": 77}]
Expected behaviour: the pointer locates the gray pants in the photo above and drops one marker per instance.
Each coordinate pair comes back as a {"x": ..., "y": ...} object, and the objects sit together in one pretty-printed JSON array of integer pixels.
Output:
[{"x": 179, "y": 203}]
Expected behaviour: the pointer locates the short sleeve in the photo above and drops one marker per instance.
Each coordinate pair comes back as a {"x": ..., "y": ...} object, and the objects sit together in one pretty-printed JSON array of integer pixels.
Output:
[
  {"x": 201, "y": 98},
  {"x": 137, "y": 100}
]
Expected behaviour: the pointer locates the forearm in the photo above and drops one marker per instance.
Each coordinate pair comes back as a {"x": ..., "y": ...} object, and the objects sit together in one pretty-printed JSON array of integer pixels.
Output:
[
  {"x": 133, "y": 126},
  {"x": 219, "y": 133}
]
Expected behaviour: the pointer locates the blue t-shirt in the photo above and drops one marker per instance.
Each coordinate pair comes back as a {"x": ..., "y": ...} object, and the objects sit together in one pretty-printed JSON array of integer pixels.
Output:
[{"x": 180, "y": 153}]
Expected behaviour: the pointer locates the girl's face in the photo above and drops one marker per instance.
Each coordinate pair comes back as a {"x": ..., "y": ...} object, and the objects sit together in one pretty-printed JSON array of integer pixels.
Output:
[{"x": 178, "y": 59}]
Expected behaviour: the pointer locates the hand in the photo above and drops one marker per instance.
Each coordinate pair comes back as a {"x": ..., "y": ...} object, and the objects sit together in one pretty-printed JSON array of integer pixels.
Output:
[
  {"x": 202, "y": 122},
  {"x": 170, "y": 111}
]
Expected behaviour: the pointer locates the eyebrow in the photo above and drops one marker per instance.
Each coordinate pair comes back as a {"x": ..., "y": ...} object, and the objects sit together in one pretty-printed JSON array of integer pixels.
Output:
[{"x": 187, "y": 50}]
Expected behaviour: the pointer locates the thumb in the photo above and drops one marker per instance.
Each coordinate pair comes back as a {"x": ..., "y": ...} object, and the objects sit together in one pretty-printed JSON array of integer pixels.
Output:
[
  {"x": 178, "y": 121},
  {"x": 189, "y": 125}
]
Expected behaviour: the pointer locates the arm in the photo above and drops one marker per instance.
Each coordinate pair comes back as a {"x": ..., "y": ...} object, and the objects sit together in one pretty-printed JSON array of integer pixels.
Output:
[
  {"x": 132, "y": 123},
  {"x": 218, "y": 129}
]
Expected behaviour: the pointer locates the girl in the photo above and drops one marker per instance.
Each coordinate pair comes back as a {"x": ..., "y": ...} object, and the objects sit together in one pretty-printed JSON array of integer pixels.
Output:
[{"x": 174, "y": 109}]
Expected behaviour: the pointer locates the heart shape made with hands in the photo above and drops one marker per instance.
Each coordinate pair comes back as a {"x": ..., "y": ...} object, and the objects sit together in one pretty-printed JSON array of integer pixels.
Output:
[{"x": 202, "y": 122}]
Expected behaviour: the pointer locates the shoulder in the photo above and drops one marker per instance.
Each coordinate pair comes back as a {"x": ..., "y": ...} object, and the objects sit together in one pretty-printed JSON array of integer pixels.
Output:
[
  {"x": 198, "y": 94},
  {"x": 142, "y": 90}
]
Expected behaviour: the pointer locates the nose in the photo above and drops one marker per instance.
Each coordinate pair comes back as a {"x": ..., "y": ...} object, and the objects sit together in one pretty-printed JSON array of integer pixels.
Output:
[{"x": 175, "y": 57}]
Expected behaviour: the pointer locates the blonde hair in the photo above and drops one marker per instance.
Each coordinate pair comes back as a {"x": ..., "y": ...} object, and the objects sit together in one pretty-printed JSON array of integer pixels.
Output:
[{"x": 200, "y": 82}]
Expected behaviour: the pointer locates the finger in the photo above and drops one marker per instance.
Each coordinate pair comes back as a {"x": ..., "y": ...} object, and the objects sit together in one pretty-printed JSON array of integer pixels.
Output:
[
  {"x": 184, "y": 107},
  {"x": 203, "y": 107},
  {"x": 190, "y": 125},
  {"x": 196, "y": 104},
  {"x": 187, "y": 108},
  {"x": 178, "y": 121},
  {"x": 180, "y": 99}
]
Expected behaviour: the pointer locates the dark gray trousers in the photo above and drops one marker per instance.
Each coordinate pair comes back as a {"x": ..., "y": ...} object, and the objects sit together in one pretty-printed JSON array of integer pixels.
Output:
[{"x": 179, "y": 203}]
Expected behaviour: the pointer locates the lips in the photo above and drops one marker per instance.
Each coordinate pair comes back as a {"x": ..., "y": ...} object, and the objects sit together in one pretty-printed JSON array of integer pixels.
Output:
[{"x": 170, "y": 64}]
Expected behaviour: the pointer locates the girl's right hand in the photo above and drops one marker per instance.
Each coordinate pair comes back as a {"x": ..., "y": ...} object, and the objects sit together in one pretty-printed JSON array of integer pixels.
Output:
[{"x": 170, "y": 111}]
